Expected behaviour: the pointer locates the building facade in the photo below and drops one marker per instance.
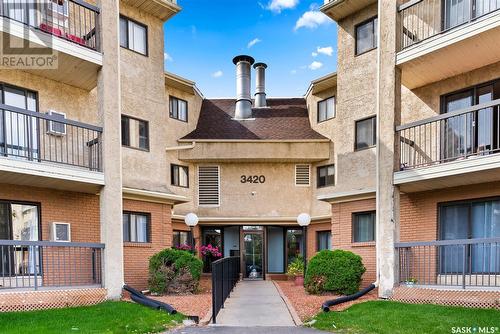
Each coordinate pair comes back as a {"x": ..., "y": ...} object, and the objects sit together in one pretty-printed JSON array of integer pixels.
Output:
[{"x": 394, "y": 156}]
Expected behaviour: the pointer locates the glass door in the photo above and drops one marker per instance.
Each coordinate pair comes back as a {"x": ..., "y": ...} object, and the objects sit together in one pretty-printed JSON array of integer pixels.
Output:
[{"x": 253, "y": 253}]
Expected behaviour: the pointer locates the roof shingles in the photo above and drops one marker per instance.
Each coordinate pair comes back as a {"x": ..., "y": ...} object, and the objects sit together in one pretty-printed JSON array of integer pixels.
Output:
[{"x": 285, "y": 119}]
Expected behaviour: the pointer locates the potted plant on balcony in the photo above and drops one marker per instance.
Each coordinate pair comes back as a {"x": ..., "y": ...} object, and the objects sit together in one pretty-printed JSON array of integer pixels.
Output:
[{"x": 295, "y": 271}]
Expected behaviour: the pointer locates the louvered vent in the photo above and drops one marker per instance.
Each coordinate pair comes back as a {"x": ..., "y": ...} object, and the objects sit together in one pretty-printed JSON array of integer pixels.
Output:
[
  {"x": 208, "y": 185},
  {"x": 302, "y": 175}
]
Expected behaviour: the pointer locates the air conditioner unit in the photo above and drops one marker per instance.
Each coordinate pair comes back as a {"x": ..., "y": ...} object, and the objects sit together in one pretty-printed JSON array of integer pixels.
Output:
[
  {"x": 56, "y": 128},
  {"x": 60, "y": 232}
]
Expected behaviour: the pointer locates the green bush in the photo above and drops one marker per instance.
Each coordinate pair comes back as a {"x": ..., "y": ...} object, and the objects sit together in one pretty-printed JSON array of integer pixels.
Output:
[
  {"x": 335, "y": 271},
  {"x": 174, "y": 269}
]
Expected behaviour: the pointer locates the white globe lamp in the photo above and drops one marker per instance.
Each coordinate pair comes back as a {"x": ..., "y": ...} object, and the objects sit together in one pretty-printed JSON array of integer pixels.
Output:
[
  {"x": 191, "y": 220},
  {"x": 304, "y": 219}
]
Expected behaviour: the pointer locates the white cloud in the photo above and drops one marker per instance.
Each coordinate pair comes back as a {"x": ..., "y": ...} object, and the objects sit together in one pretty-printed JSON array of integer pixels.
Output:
[
  {"x": 253, "y": 42},
  {"x": 278, "y": 5},
  {"x": 293, "y": 72},
  {"x": 315, "y": 65},
  {"x": 314, "y": 54},
  {"x": 167, "y": 57},
  {"x": 217, "y": 74},
  {"x": 312, "y": 19},
  {"x": 327, "y": 50}
]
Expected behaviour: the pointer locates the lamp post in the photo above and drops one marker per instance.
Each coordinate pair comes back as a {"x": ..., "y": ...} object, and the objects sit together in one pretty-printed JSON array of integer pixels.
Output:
[
  {"x": 191, "y": 220},
  {"x": 304, "y": 220}
]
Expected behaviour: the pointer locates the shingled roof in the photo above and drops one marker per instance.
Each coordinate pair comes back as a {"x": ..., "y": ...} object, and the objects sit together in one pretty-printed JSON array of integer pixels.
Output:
[{"x": 285, "y": 119}]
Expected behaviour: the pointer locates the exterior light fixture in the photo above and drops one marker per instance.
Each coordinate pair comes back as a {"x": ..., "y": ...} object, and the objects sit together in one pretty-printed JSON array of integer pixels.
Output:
[
  {"x": 304, "y": 219},
  {"x": 191, "y": 220}
]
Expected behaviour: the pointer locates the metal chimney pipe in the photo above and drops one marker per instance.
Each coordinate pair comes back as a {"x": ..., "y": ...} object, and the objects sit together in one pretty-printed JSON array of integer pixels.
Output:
[
  {"x": 243, "y": 98},
  {"x": 260, "y": 85}
]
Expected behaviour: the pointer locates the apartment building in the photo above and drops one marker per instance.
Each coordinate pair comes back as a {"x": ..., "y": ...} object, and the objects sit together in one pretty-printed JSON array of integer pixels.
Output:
[{"x": 433, "y": 86}]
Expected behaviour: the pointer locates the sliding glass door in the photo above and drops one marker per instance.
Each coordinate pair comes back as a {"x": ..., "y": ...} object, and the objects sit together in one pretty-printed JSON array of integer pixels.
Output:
[
  {"x": 18, "y": 132},
  {"x": 457, "y": 12},
  {"x": 470, "y": 220}
]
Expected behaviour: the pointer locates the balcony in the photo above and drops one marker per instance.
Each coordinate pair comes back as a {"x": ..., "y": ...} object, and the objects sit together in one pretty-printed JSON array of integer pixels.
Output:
[
  {"x": 462, "y": 264},
  {"x": 440, "y": 38},
  {"x": 46, "y": 150},
  {"x": 339, "y": 9},
  {"x": 45, "y": 265},
  {"x": 162, "y": 9},
  {"x": 452, "y": 149},
  {"x": 65, "y": 30}
]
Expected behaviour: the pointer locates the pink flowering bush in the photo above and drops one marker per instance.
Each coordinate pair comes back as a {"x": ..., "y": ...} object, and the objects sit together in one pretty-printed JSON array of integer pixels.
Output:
[
  {"x": 184, "y": 247},
  {"x": 210, "y": 250}
]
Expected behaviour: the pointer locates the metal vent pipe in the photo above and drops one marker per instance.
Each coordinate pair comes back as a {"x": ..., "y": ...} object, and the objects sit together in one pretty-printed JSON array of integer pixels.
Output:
[
  {"x": 260, "y": 85},
  {"x": 243, "y": 85}
]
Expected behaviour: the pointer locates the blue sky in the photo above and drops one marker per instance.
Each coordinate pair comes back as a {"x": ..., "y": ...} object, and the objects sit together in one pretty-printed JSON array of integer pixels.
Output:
[{"x": 297, "y": 42}]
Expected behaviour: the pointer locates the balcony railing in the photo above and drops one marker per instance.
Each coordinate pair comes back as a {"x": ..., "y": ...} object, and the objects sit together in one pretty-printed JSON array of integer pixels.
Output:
[
  {"x": 44, "y": 264},
  {"x": 72, "y": 20},
  {"x": 33, "y": 136},
  {"x": 452, "y": 136},
  {"x": 456, "y": 263},
  {"x": 423, "y": 19}
]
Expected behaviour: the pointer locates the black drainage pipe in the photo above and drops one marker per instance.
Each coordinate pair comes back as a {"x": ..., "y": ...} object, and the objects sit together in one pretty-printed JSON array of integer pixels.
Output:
[
  {"x": 140, "y": 298},
  {"x": 329, "y": 303}
]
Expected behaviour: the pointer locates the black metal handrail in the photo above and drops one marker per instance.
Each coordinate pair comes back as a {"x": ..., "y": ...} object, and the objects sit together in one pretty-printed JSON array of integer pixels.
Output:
[
  {"x": 423, "y": 19},
  {"x": 225, "y": 275},
  {"x": 72, "y": 20},
  {"x": 473, "y": 131},
  {"x": 35, "y": 136},
  {"x": 49, "y": 264},
  {"x": 461, "y": 263}
]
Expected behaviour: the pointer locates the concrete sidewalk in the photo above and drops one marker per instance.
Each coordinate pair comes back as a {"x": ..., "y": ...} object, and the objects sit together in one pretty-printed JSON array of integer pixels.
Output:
[{"x": 255, "y": 303}]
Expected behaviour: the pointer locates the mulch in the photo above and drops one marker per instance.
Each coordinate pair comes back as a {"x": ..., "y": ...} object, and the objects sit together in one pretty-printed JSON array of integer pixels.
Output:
[{"x": 307, "y": 305}]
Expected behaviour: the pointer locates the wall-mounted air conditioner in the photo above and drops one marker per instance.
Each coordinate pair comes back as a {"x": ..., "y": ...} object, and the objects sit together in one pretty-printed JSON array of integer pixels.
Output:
[
  {"x": 56, "y": 128},
  {"x": 60, "y": 232}
]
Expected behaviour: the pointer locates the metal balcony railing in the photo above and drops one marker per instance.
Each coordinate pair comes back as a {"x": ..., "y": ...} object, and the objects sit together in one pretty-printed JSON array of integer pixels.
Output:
[
  {"x": 29, "y": 135},
  {"x": 72, "y": 20},
  {"x": 423, "y": 19},
  {"x": 456, "y": 263},
  {"x": 44, "y": 264},
  {"x": 456, "y": 135},
  {"x": 225, "y": 275}
]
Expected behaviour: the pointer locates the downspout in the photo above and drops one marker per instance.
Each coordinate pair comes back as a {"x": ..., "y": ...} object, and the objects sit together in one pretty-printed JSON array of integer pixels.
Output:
[{"x": 182, "y": 147}]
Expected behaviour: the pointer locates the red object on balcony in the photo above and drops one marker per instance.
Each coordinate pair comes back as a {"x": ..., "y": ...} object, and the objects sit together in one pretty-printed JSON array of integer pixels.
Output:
[
  {"x": 51, "y": 30},
  {"x": 76, "y": 39}
]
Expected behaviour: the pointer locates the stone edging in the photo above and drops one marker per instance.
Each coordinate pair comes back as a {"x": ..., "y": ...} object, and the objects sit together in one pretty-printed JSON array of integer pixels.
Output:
[{"x": 289, "y": 305}]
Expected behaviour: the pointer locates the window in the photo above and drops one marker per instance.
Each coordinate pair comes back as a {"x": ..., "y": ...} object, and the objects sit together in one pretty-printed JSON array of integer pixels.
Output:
[
  {"x": 135, "y": 133},
  {"x": 56, "y": 128},
  {"x": 366, "y": 133},
  {"x": 181, "y": 238},
  {"x": 133, "y": 35},
  {"x": 179, "y": 175},
  {"x": 302, "y": 175},
  {"x": 136, "y": 227},
  {"x": 363, "y": 226},
  {"x": 366, "y": 36},
  {"x": 326, "y": 109},
  {"x": 208, "y": 185},
  {"x": 324, "y": 240},
  {"x": 326, "y": 176},
  {"x": 178, "y": 109}
]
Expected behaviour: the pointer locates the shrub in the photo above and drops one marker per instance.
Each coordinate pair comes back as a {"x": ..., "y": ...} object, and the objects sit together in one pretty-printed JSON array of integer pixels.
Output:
[
  {"x": 336, "y": 271},
  {"x": 174, "y": 268}
]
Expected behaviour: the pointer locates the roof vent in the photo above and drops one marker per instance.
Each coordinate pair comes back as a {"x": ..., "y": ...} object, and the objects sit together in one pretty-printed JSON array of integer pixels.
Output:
[
  {"x": 243, "y": 99},
  {"x": 260, "y": 85}
]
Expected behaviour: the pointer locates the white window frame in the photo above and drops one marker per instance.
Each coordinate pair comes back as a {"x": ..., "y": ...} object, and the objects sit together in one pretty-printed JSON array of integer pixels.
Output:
[
  {"x": 52, "y": 123},
  {"x": 53, "y": 231}
]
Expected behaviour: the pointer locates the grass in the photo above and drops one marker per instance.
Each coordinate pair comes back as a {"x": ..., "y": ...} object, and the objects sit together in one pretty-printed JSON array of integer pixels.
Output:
[
  {"x": 109, "y": 317},
  {"x": 392, "y": 317}
]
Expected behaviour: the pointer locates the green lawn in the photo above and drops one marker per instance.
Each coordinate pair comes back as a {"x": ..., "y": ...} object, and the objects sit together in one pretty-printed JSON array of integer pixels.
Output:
[
  {"x": 109, "y": 317},
  {"x": 391, "y": 317}
]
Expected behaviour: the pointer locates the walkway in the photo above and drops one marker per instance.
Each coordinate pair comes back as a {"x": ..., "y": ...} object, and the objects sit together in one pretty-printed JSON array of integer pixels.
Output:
[{"x": 255, "y": 303}]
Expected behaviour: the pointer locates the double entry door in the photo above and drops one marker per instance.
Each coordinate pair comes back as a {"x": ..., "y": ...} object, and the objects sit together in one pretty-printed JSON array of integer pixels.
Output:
[{"x": 19, "y": 221}]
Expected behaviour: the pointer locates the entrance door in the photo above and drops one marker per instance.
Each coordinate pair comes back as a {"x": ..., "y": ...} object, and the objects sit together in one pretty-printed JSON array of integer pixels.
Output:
[{"x": 253, "y": 252}]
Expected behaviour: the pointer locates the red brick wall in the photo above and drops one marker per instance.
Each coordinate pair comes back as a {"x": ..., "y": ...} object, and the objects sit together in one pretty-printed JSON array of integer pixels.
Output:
[
  {"x": 136, "y": 255},
  {"x": 312, "y": 238},
  {"x": 342, "y": 235},
  {"x": 419, "y": 211}
]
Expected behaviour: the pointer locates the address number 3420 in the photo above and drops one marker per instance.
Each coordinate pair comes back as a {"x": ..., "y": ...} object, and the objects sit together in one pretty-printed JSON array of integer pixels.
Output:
[{"x": 252, "y": 179}]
